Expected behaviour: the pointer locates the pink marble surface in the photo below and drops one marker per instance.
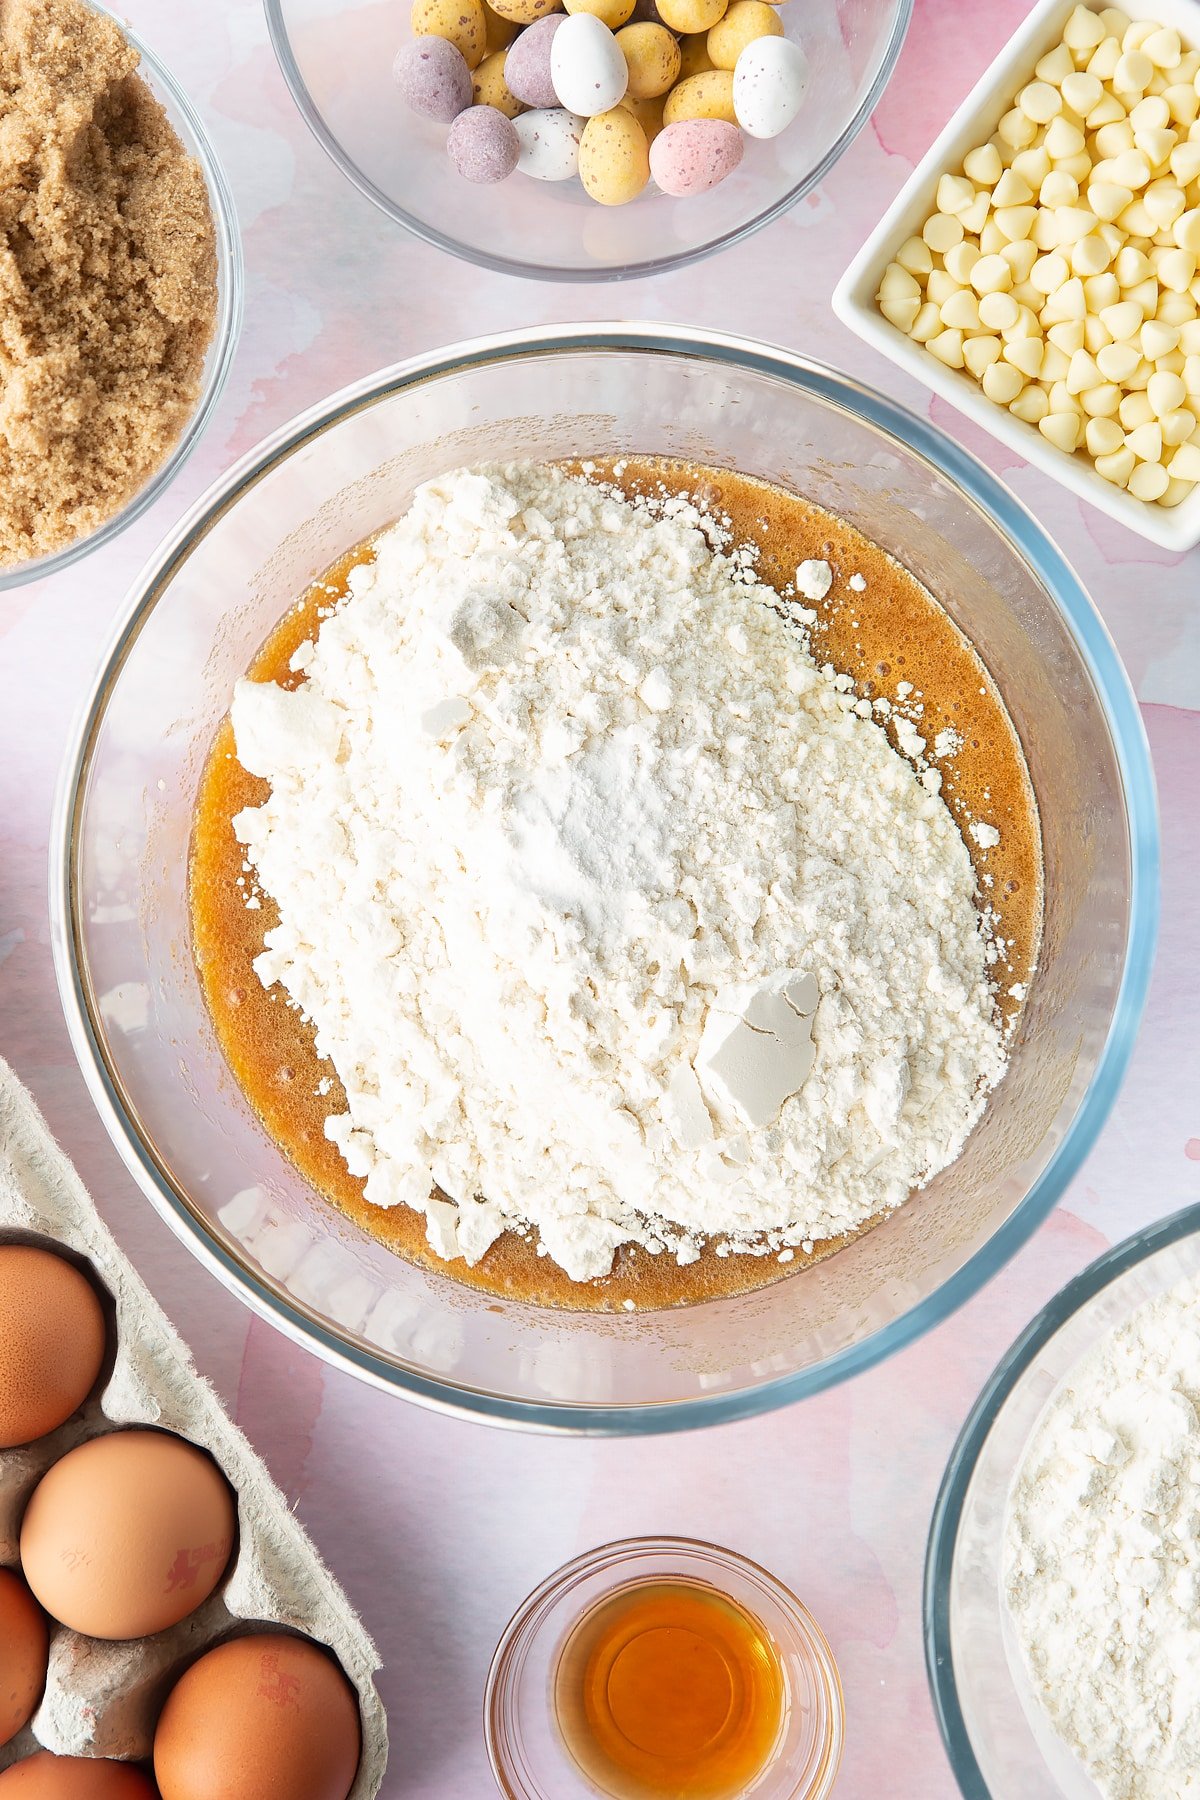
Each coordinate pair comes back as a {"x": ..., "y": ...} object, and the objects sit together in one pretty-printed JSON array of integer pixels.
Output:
[{"x": 438, "y": 1528}]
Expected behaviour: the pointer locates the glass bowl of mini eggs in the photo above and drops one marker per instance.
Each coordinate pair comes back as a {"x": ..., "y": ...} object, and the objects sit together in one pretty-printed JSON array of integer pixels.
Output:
[{"x": 586, "y": 140}]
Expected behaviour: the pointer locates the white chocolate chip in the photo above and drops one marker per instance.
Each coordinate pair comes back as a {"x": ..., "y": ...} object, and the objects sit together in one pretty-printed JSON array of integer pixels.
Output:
[
  {"x": 1102, "y": 437},
  {"x": 1165, "y": 391},
  {"x": 998, "y": 312},
  {"x": 980, "y": 352},
  {"x": 1185, "y": 464},
  {"x": 1148, "y": 481},
  {"x": 915, "y": 256},
  {"x": 1031, "y": 404},
  {"x": 1118, "y": 467},
  {"x": 947, "y": 346},
  {"x": 954, "y": 194},
  {"x": 1061, "y": 428},
  {"x": 983, "y": 166},
  {"x": 1002, "y": 383},
  {"x": 1146, "y": 442}
]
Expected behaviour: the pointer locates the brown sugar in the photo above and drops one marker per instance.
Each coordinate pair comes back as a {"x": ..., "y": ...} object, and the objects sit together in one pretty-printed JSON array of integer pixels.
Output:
[{"x": 107, "y": 276}]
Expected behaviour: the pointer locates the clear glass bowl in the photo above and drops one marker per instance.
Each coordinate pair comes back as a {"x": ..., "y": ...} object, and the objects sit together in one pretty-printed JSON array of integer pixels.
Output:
[
  {"x": 191, "y": 133},
  {"x": 998, "y": 1737},
  {"x": 206, "y": 602},
  {"x": 526, "y": 1751},
  {"x": 337, "y": 57}
]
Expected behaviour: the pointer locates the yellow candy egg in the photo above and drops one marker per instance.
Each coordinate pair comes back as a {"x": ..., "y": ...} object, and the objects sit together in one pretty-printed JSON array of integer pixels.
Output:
[
  {"x": 500, "y": 31},
  {"x": 648, "y": 113},
  {"x": 691, "y": 15},
  {"x": 489, "y": 88},
  {"x": 614, "y": 158},
  {"x": 745, "y": 21},
  {"x": 708, "y": 95},
  {"x": 524, "y": 12},
  {"x": 693, "y": 55},
  {"x": 652, "y": 58},
  {"x": 612, "y": 13},
  {"x": 460, "y": 22}
]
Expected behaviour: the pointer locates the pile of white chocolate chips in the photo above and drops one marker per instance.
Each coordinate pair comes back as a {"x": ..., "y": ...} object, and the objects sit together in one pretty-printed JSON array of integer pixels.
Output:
[
  {"x": 618, "y": 921},
  {"x": 1060, "y": 265}
]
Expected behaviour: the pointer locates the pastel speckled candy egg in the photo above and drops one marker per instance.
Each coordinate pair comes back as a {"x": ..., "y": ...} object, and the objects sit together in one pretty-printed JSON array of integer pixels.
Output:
[
  {"x": 648, "y": 113},
  {"x": 527, "y": 65},
  {"x": 745, "y": 21},
  {"x": 708, "y": 95},
  {"x": 614, "y": 160},
  {"x": 489, "y": 88},
  {"x": 693, "y": 55},
  {"x": 693, "y": 156},
  {"x": 498, "y": 31},
  {"x": 612, "y": 13},
  {"x": 651, "y": 55},
  {"x": 483, "y": 145},
  {"x": 549, "y": 140},
  {"x": 586, "y": 65},
  {"x": 690, "y": 16},
  {"x": 524, "y": 12},
  {"x": 769, "y": 83},
  {"x": 460, "y": 22},
  {"x": 433, "y": 77}
]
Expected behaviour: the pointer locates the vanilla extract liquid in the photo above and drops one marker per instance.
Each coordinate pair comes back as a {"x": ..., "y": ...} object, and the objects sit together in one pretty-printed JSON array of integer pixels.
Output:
[{"x": 666, "y": 1689}]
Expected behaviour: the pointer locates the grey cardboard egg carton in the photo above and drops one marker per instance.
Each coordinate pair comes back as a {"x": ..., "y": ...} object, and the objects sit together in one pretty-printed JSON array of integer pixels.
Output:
[{"x": 102, "y": 1699}]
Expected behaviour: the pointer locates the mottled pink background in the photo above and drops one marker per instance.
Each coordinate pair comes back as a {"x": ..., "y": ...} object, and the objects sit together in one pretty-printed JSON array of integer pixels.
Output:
[{"x": 439, "y": 1528}]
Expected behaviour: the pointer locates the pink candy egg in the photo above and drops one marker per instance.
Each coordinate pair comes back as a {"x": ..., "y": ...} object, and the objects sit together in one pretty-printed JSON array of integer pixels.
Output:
[
  {"x": 527, "y": 65},
  {"x": 483, "y": 145},
  {"x": 433, "y": 76},
  {"x": 694, "y": 155}
]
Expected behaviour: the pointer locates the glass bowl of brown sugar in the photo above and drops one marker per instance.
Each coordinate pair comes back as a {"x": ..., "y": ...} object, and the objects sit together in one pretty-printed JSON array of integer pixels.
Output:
[{"x": 121, "y": 292}]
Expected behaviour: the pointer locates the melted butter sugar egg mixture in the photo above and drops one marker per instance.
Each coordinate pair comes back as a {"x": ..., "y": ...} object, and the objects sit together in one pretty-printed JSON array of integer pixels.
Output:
[{"x": 616, "y": 887}]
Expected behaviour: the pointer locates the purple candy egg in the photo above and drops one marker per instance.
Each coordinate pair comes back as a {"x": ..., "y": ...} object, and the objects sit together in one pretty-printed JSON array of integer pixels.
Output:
[
  {"x": 433, "y": 76},
  {"x": 527, "y": 65},
  {"x": 692, "y": 155},
  {"x": 483, "y": 145}
]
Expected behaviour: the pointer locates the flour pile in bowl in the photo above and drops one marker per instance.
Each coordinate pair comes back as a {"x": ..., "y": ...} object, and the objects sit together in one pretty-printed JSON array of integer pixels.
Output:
[
  {"x": 1102, "y": 1561},
  {"x": 618, "y": 922}
]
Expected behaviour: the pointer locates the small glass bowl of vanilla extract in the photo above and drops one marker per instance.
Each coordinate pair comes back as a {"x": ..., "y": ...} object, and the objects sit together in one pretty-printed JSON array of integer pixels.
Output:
[{"x": 659, "y": 1669}]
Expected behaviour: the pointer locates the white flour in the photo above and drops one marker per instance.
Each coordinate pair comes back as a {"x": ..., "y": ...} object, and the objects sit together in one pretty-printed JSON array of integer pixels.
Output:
[
  {"x": 565, "y": 826},
  {"x": 1103, "y": 1554}
]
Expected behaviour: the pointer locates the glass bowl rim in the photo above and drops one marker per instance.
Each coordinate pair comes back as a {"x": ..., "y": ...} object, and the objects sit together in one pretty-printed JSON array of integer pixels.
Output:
[
  {"x": 1058, "y": 1311},
  {"x": 301, "y": 1323},
  {"x": 509, "y": 265},
  {"x": 226, "y": 331},
  {"x": 621, "y": 1553}
]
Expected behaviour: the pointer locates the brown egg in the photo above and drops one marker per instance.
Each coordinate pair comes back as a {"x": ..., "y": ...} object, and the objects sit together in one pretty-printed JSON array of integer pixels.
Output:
[
  {"x": 24, "y": 1647},
  {"x": 127, "y": 1534},
  {"x": 46, "y": 1777},
  {"x": 52, "y": 1340},
  {"x": 266, "y": 1717}
]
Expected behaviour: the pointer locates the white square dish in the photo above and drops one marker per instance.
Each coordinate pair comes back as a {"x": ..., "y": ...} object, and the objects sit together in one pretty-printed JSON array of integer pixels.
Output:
[{"x": 974, "y": 122}]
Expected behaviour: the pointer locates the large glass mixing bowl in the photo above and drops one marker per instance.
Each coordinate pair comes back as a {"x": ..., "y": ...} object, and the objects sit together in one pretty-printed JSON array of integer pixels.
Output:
[
  {"x": 337, "y": 55},
  {"x": 209, "y": 598}
]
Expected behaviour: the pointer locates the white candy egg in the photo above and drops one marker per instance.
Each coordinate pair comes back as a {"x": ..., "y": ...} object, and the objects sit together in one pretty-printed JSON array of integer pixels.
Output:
[
  {"x": 769, "y": 83},
  {"x": 549, "y": 138},
  {"x": 588, "y": 70}
]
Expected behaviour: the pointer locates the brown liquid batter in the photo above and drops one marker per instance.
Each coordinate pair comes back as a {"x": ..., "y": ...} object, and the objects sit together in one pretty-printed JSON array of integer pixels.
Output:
[{"x": 891, "y": 631}]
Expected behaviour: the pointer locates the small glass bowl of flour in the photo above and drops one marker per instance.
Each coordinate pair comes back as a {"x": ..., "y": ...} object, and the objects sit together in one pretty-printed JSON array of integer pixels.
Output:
[{"x": 1062, "y": 1590}]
